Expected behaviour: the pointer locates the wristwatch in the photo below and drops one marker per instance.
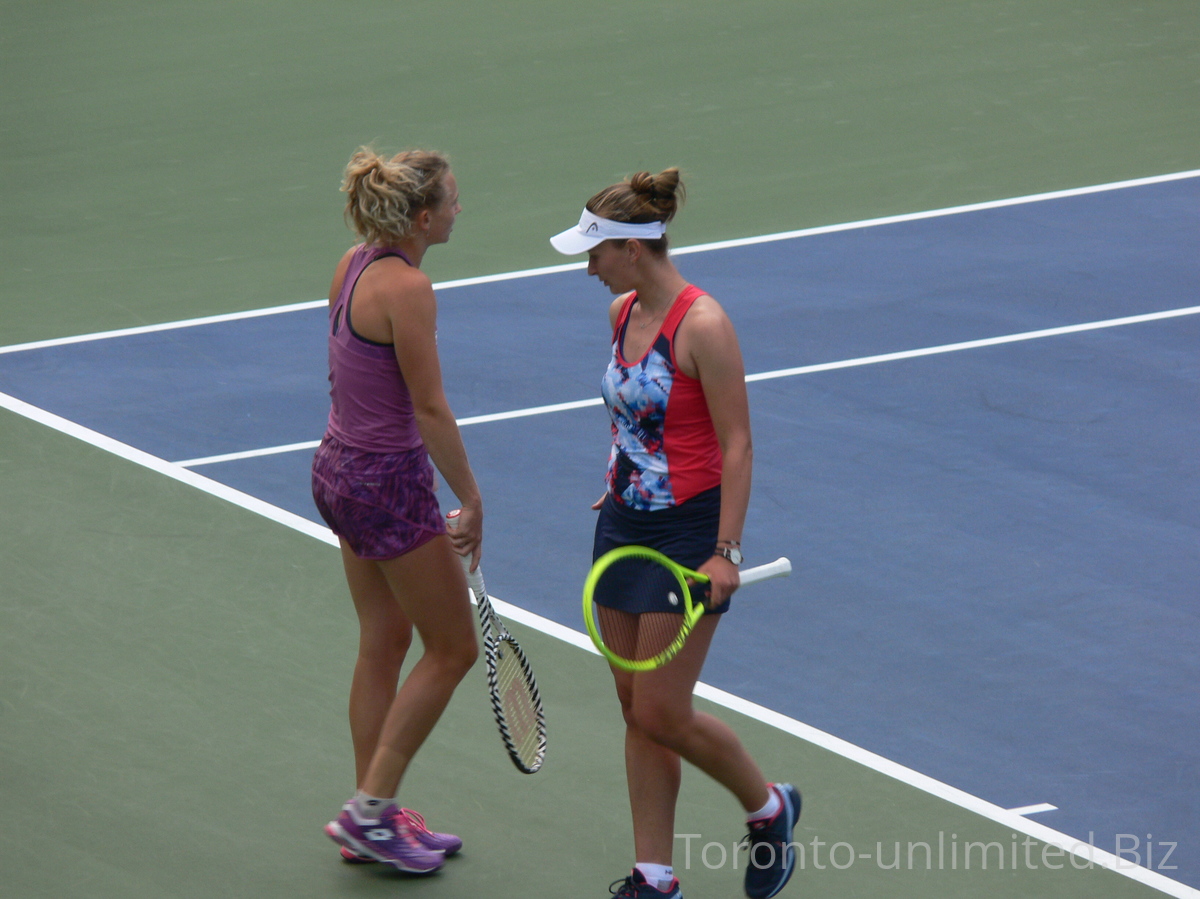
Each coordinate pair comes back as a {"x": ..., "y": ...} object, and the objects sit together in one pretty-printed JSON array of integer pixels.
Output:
[{"x": 732, "y": 553}]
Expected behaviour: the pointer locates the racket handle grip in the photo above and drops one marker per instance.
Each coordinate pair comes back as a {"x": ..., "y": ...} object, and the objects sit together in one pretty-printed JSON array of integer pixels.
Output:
[
  {"x": 781, "y": 567},
  {"x": 474, "y": 578}
]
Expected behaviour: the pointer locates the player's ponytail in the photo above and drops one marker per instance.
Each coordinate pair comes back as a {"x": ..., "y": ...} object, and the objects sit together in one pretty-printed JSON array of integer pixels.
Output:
[
  {"x": 663, "y": 193},
  {"x": 384, "y": 195},
  {"x": 642, "y": 198}
]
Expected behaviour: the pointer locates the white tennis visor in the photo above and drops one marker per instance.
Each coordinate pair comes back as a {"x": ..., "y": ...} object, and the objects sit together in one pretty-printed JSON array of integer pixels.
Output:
[{"x": 592, "y": 230}]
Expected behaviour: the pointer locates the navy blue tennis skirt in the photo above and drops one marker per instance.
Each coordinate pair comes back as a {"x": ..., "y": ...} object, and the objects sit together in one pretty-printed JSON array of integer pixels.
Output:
[{"x": 686, "y": 533}]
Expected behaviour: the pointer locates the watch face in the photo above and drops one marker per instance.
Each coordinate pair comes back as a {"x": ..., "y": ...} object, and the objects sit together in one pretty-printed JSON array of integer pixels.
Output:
[{"x": 733, "y": 555}]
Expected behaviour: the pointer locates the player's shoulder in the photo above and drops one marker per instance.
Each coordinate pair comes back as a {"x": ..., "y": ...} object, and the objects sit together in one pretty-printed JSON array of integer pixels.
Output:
[
  {"x": 705, "y": 312},
  {"x": 704, "y": 301},
  {"x": 398, "y": 268},
  {"x": 395, "y": 279},
  {"x": 706, "y": 331}
]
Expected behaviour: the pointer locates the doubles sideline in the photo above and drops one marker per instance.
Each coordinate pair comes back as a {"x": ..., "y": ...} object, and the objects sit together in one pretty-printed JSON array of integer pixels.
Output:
[{"x": 762, "y": 376}]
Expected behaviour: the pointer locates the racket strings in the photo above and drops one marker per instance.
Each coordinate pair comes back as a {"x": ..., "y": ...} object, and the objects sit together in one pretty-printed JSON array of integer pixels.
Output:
[
  {"x": 639, "y": 608},
  {"x": 639, "y": 638},
  {"x": 519, "y": 703}
]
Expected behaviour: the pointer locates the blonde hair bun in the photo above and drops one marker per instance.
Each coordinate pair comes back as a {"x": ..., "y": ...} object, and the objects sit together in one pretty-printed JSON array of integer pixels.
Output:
[{"x": 383, "y": 195}]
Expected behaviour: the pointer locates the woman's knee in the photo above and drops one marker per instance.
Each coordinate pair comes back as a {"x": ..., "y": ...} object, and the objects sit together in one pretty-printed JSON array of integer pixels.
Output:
[
  {"x": 467, "y": 652},
  {"x": 456, "y": 654},
  {"x": 660, "y": 721},
  {"x": 646, "y": 710},
  {"x": 385, "y": 649}
]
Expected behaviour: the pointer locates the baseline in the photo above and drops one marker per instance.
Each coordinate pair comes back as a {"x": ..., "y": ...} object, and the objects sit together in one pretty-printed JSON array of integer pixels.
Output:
[{"x": 681, "y": 251}]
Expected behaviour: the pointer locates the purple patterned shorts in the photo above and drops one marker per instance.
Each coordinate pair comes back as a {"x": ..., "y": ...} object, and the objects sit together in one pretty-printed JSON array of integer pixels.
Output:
[{"x": 381, "y": 504}]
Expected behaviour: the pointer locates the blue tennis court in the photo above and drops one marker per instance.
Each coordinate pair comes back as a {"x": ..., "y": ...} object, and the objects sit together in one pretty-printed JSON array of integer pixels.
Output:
[{"x": 976, "y": 437}]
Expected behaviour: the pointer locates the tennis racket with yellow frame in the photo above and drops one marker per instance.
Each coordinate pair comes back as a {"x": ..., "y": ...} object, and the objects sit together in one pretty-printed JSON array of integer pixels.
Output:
[{"x": 667, "y": 598}]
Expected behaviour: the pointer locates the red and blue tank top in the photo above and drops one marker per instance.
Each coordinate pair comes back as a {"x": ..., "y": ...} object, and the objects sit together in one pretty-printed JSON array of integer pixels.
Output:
[
  {"x": 665, "y": 449},
  {"x": 370, "y": 408}
]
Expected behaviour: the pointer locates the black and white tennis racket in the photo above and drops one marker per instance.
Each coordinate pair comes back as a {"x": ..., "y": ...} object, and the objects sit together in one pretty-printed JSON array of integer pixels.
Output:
[{"x": 514, "y": 692}]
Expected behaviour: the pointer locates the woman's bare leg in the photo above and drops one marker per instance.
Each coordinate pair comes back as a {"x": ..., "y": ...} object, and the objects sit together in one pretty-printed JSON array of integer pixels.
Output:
[
  {"x": 661, "y": 727},
  {"x": 428, "y": 588},
  {"x": 385, "y": 635}
]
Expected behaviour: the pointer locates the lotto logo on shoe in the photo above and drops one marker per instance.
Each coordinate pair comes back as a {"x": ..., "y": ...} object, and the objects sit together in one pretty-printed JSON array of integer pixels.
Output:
[{"x": 379, "y": 834}]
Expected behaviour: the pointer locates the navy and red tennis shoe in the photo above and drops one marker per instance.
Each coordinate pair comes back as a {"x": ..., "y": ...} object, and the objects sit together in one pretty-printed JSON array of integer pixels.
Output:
[
  {"x": 635, "y": 887},
  {"x": 772, "y": 851}
]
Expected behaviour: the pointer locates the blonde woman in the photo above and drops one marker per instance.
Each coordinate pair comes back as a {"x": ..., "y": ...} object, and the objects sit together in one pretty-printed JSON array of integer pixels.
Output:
[{"x": 374, "y": 486}]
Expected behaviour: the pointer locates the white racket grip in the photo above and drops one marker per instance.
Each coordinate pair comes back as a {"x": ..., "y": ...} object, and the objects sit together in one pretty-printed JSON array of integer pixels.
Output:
[
  {"x": 474, "y": 578},
  {"x": 781, "y": 567}
]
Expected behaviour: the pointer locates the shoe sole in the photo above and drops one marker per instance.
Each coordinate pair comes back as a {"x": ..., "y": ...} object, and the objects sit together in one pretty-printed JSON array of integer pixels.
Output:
[
  {"x": 353, "y": 858},
  {"x": 338, "y": 834}
]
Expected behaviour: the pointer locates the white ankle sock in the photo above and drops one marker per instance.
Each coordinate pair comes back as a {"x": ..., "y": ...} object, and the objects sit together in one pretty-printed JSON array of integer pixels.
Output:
[
  {"x": 658, "y": 876},
  {"x": 767, "y": 811},
  {"x": 370, "y": 807}
]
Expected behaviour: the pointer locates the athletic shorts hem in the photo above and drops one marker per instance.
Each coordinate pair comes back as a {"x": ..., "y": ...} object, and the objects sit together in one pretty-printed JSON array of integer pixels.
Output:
[{"x": 382, "y": 505}]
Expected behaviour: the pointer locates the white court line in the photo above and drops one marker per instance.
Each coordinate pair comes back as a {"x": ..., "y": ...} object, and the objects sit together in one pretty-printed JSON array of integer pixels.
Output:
[
  {"x": 1034, "y": 809},
  {"x": 163, "y": 467},
  {"x": 950, "y": 210},
  {"x": 166, "y": 326},
  {"x": 1087, "y": 854},
  {"x": 575, "y": 266},
  {"x": 312, "y": 444},
  {"x": 976, "y": 344},
  {"x": 251, "y": 454},
  {"x": 762, "y": 376}
]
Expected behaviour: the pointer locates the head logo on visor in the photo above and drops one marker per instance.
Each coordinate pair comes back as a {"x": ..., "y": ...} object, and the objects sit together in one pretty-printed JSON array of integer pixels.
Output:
[{"x": 592, "y": 230}]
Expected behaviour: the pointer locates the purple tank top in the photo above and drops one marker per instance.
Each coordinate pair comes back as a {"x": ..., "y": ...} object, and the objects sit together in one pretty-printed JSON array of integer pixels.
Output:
[{"x": 371, "y": 408}]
